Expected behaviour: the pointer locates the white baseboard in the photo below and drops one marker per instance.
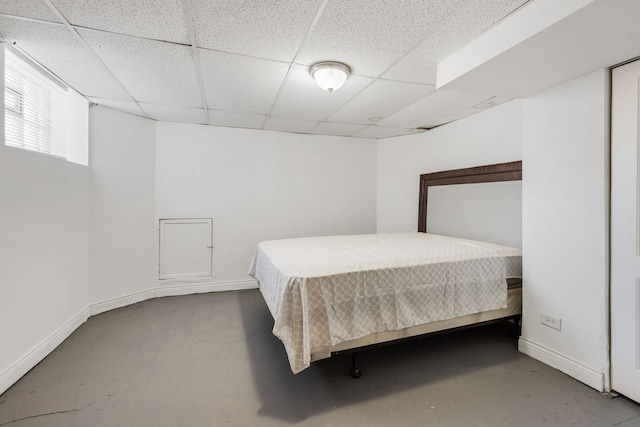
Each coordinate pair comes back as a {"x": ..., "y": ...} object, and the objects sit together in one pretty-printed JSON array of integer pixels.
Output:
[
  {"x": 562, "y": 363},
  {"x": 120, "y": 302},
  {"x": 201, "y": 288},
  {"x": 23, "y": 365},
  {"x": 11, "y": 375}
]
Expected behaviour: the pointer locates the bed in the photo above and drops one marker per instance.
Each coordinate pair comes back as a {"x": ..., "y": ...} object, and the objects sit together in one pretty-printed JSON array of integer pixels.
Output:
[{"x": 332, "y": 294}]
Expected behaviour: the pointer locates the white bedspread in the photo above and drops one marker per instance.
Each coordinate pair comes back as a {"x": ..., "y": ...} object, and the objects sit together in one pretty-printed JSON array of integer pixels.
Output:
[{"x": 325, "y": 290}]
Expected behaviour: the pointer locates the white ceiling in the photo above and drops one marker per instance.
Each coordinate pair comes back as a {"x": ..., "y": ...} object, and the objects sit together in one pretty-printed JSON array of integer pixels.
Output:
[{"x": 245, "y": 64}]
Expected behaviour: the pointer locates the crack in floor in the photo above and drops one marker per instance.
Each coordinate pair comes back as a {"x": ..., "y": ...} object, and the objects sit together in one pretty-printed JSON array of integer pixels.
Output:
[
  {"x": 40, "y": 415},
  {"x": 68, "y": 411}
]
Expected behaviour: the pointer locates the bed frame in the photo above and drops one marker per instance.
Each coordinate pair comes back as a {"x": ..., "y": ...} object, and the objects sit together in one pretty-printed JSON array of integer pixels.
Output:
[{"x": 481, "y": 174}]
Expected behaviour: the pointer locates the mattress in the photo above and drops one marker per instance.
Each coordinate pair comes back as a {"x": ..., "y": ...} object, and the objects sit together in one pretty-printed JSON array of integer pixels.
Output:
[{"x": 323, "y": 291}]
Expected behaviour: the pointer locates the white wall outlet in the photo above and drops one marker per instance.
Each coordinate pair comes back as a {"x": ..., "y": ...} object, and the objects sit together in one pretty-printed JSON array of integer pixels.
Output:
[{"x": 550, "y": 321}]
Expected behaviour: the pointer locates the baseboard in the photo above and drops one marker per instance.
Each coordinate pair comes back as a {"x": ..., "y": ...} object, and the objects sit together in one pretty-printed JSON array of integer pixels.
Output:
[
  {"x": 562, "y": 363},
  {"x": 120, "y": 302},
  {"x": 201, "y": 288},
  {"x": 169, "y": 291},
  {"x": 23, "y": 365}
]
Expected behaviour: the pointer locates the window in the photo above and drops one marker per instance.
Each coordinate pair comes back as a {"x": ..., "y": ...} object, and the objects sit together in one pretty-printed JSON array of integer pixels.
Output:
[{"x": 41, "y": 113}]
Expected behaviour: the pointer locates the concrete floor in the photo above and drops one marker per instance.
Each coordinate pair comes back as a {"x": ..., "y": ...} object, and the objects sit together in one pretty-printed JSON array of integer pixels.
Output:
[{"x": 211, "y": 360}]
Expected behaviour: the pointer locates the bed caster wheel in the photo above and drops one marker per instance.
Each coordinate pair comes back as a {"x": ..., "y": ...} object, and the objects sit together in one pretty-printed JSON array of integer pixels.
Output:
[{"x": 356, "y": 373}]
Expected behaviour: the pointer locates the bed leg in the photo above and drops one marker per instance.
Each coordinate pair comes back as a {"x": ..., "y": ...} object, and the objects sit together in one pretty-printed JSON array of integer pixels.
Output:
[
  {"x": 355, "y": 372},
  {"x": 517, "y": 325}
]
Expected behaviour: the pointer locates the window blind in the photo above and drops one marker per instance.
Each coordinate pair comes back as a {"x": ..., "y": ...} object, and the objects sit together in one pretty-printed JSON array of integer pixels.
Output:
[{"x": 34, "y": 109}]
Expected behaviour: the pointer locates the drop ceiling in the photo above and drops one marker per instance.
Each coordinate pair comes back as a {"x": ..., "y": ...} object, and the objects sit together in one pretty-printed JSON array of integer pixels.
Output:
[{"x": 245, "y": 64}]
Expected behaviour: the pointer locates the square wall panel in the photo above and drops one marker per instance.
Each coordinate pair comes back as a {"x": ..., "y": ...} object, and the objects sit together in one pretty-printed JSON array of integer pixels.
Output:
[
  {"x": 265, "y": 29},
  {"x": 152, "y": 71},
  {"x": 381, "y": 99},
  {"x": 301, "y": 98},
  {"x": 141, "y": 18},
  {"x": 65, "y": 55},
  {"x": 186, "y": 248},
  {"x": 35, "y": 9},
  {"x": 240, "y": 83}
]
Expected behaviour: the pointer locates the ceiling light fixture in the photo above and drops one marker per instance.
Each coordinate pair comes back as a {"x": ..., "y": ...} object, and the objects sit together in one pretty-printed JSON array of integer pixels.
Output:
[{"x": 330, "y": 75}]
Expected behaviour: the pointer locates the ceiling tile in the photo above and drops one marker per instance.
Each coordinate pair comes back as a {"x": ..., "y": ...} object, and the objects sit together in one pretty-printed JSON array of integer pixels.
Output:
[
  {"x": 418, "y": 66},
  {"x": 474, "y": 17},
  {"x": 338, "y": 129},
  {"x": 35, "y": 9},
  {"x": 65, "y": 55},
  {"x": 125, "y": 106},
  {"x": 240, "y": 83},
  {"x": 301, "y": 98},
  {"x": 267, "y": 29},
  {"x": 236, "y": 120},
  {"x": 381, "y": 99},
  {"x": 430, "y": 109},
  {"x": 175, "y": 114},
  {"x": 142, "y": 18},
  {"x": 152, "y": 71},
  {"x": 370, "y": 35},
  {"x": 378, "y": 132},
  {"x": 464, "y": 112},
  {"x": 290, "y": 125},
  {"x": 245, "y": 49}
]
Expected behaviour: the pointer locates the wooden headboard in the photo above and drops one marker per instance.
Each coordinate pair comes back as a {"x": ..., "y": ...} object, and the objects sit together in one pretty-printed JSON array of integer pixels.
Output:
[{"x": 511, "y": 171}]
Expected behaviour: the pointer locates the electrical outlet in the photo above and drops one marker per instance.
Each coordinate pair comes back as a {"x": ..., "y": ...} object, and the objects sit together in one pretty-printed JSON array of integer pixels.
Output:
[{"x": 550, "y": 321}]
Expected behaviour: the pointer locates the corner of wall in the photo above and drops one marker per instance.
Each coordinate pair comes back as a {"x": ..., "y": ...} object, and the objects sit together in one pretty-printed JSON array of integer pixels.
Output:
[{"x": 565, "y": 226}]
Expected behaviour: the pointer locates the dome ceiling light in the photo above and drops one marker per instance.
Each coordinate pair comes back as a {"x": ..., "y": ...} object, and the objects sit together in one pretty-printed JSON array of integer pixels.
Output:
[{"x": 330, "y": 75}]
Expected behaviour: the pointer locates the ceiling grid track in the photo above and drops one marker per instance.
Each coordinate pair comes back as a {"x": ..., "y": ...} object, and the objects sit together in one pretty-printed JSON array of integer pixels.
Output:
[
  {"x": 387, "y": 82},
  {"x": 312, "y": 27},
  {"x": 36, "y": 20},
  {"x": 73, "y": 31},
  {"x": 375, "y": 79},
  {"x": 188, "y": 17}
]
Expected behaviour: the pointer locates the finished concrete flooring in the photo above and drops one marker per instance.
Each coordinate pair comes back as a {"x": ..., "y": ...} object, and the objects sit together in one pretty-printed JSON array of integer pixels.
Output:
[{"x": 211, "y": 360}]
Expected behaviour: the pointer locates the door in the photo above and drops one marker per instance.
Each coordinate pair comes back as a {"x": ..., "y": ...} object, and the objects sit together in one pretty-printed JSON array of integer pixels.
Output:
[{"x": 625, "y": 232}]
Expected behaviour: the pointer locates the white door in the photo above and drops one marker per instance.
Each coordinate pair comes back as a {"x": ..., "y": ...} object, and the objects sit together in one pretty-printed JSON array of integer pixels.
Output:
[{"x": 625, "y": 232}]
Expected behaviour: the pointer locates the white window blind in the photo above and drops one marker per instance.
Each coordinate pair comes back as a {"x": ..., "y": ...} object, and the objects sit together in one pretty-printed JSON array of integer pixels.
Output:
[{"x": 36, "y": 108}]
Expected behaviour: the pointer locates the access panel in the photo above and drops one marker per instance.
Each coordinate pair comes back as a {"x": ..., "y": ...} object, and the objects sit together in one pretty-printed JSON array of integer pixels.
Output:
[{"x": 186, "y": 248}]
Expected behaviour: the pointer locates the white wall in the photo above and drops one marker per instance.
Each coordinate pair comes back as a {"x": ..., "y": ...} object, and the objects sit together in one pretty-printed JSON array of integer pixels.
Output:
[
  {"x": 73, "y": 237},
  {"x": 488, "y": 137},
  {"x": 260, "y": 185},
  {"x": 489, "y": 211},
  {"x": 79, "y": 240},
  {"x": 122, "y": 161},
  {"x": 561, "y": 135},
  {"x": 44, "y": 254},
  {"x": 565, "y": 231},
  {"x": 59, "y": 218}
]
